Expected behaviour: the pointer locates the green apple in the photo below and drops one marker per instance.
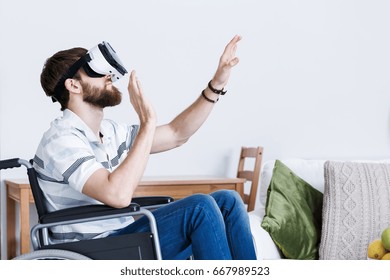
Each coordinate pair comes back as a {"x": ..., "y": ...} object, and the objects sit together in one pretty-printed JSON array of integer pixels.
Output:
[{"x": 385, "y": 237}]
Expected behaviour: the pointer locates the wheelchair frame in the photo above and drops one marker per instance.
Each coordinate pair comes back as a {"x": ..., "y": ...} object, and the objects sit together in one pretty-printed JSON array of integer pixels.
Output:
[{"x": 45, "y": 249}]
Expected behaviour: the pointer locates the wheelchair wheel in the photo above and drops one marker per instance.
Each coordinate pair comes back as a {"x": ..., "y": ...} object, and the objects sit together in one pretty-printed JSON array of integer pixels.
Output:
[{"x": 52, "y": 254}]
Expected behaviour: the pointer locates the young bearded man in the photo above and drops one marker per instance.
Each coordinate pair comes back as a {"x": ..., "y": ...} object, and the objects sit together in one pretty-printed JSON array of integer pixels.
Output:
[{"x": 84, "y": 159}]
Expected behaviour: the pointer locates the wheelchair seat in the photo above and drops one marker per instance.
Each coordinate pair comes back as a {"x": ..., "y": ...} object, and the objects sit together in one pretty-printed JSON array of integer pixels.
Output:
[{"x": 139, "y": 246}]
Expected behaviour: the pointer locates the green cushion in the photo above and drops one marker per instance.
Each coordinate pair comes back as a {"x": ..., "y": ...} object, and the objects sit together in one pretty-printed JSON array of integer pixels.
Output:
[{"x": 293, "y": 214}]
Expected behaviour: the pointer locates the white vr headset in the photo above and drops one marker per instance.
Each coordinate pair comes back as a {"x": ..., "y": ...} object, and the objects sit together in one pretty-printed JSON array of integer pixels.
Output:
[{"x": 99, "y": 61}]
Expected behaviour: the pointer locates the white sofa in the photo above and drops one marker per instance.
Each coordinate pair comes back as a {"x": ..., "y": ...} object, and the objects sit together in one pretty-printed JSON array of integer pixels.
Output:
[{"x": 312, "y": 171}]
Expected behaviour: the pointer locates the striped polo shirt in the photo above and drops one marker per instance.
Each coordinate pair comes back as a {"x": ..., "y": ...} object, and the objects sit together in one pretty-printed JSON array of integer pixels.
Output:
[{"x": 68, "y": 154}]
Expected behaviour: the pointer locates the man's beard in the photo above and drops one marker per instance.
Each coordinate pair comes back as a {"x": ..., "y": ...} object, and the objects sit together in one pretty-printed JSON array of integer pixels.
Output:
[{"x": 101, "y": 97}]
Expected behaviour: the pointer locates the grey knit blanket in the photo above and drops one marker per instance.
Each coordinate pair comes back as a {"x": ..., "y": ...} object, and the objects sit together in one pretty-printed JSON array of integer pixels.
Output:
[{"x": 356, "y": 208}]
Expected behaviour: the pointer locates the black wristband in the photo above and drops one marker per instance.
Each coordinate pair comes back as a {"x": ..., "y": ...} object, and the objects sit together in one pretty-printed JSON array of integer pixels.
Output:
[
  {"x": 208, "y": 99},
  {"x": 217, "y": 91}
]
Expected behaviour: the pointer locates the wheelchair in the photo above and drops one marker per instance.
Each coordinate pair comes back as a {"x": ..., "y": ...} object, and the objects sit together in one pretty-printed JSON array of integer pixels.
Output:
[{"x": 135, "y": 246}]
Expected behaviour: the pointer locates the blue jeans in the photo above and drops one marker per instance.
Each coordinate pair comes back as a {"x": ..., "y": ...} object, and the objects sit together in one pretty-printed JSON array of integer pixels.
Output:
[{"x": 214, "y": 226}]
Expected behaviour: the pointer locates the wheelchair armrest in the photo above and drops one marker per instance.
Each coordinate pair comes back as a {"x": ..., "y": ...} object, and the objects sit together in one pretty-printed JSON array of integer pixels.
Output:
[
  {"x": 85, "y": 212},
  {"x": 88, "y": 213},
  {"x": 152, "y": 200}
]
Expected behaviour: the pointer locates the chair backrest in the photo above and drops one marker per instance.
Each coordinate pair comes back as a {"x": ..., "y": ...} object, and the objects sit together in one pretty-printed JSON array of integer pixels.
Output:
[
  {"x": 37, "y": 192},
  {"x": 253, "y": 175}
]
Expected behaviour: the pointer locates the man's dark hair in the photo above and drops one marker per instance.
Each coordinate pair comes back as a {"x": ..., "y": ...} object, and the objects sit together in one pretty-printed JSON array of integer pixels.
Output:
[{"x": 54, "y": 68}]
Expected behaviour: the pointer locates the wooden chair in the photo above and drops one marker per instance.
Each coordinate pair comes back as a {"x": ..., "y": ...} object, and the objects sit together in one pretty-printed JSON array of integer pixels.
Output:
[{"x": 252, "y": 175}]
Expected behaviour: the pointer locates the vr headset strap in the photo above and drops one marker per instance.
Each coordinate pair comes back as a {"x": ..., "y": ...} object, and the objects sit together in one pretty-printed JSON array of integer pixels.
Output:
[{"x": 69, "y": 74}]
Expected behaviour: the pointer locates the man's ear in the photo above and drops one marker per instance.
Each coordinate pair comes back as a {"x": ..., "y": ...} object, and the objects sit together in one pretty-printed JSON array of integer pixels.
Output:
[{"x": 73, "y": 85}]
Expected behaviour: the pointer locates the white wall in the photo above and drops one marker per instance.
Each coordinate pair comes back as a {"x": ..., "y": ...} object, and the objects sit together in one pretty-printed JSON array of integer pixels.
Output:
[{"x": 313, "y": 80}]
